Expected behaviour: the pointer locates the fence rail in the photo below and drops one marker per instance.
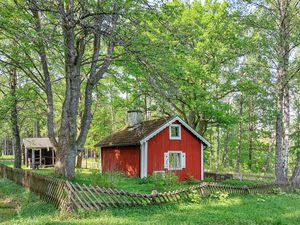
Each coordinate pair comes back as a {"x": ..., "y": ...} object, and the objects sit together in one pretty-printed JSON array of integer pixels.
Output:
[
  {"x": 69, "y": 196},
  {"x": 219, "y": 176}
]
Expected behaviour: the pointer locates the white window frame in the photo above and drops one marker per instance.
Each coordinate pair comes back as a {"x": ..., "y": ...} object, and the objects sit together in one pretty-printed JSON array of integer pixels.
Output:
[
  {"x": 180, "y": 158},
  {"x": 179, "y": 132}
]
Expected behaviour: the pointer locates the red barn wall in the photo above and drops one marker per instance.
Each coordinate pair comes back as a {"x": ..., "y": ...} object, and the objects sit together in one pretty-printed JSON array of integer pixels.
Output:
[
  {"x": 189, "y": 144},
  {"x": 126, "y": 159}
]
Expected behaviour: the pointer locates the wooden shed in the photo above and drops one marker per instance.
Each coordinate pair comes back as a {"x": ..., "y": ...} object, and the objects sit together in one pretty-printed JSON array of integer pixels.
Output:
[
  {"x": 154, "y": 146},
  {"x": 38, "y": 152}
]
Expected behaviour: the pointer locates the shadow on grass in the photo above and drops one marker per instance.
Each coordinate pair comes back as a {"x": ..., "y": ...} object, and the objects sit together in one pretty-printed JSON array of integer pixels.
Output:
[{"x": 19, "y": 202}]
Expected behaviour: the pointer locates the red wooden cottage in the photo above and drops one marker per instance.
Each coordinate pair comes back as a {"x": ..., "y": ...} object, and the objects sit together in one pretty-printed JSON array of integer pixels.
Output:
[{"x": 143, "y": 148}]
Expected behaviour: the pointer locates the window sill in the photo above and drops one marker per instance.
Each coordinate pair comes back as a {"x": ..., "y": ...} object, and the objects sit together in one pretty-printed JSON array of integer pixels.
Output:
[
  {"x": 175, "y": 169},
  {"x": 175, "y": 138}
]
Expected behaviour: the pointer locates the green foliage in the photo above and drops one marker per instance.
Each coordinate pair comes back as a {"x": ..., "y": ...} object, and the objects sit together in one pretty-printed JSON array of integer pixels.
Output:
[
  {"x": 163, "y": 182},
  {"x": 194, "y": 197},
  {"x": 219, "y": 195}
]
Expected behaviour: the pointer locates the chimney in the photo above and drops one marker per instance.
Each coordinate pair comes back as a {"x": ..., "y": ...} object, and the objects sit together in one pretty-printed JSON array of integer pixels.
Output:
[{"x": 134, "y": 117}]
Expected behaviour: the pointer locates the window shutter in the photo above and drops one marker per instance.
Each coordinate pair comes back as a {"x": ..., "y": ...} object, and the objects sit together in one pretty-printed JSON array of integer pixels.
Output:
[
  {"x": 183, "y": 160},
  {"x": 166, "y": 160}
]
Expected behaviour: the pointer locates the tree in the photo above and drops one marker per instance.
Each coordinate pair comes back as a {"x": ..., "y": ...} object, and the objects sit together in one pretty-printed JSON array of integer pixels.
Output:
[
  {"x": 87, "y": 30},
  {"x": 188, "y": 67}
]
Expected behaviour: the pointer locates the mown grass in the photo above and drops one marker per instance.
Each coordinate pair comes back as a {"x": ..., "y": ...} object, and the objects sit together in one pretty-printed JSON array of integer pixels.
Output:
[{"x": 26, "y": 208}]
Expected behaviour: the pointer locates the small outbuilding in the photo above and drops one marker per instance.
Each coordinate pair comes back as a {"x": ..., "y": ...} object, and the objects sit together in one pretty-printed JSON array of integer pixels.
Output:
[
  {"x": 154, "y": 146},
  {"x": 38, "y": 152}
]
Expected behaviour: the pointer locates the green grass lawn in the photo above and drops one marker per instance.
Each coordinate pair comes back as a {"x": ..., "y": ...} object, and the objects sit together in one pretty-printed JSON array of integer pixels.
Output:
[{"x": 18, "y": 206}]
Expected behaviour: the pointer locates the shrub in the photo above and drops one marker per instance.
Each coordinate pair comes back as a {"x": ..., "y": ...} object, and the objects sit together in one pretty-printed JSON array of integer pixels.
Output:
[
  {"x": 194, "y": 196},
  {"x": 220, "y": 195},
  {"x": 158, "y": 181},
  {"x": 161, "y": 181}
]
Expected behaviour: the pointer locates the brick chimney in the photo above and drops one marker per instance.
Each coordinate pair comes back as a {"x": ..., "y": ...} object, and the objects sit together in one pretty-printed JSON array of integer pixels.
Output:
[{"x": 134, "y": 117}]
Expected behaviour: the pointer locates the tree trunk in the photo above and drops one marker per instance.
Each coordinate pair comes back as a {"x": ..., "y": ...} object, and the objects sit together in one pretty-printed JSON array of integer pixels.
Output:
[
  {"x": 296, "y": 171},
  {"x": 251, "y": 133},
  {"x": 218, "y": 148},
  {"x": 267, "y": 162},
  {"x": 250, "y": 150},
  {"x": 286, "y": 110},
  {"x": 79, "y": 159},
  {"x": 282, "y": 70},
  {"x": 14, "y": 120},
  {"x": 37, "y": 129},
  {"x": 279, "y": 170},
  {"x": 224, "y": 161},
  {"x": 211, "y": 152},
  {"x": 238, "y": 157},
  {"x": 5, "y": 145}
]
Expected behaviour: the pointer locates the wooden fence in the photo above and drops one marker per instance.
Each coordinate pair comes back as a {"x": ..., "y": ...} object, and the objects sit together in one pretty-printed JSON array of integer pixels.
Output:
[
  {"x": 69, "y": 196},
  {"x": 49, "y": 189},
  {"x": 219, "y": 176},
  {"x": 94, "y": 197}
]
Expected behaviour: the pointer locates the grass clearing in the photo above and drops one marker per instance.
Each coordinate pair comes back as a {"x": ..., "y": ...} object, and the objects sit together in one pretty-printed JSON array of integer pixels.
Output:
[{"x": 23, "y": 207}]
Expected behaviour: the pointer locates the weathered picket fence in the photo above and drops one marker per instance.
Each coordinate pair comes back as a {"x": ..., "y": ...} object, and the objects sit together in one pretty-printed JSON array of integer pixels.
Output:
[
  {"x": 50, "y": 189},
  {"x": 69, "y": 196},
  {"x": 220, "y": 176},
  {"x": 94, "y": 197}
]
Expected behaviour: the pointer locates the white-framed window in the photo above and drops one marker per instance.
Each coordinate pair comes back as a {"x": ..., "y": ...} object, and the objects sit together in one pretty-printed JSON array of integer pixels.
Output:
[
  {"x": 175, "y": 132},
  {"x": 174, "y": 160}
]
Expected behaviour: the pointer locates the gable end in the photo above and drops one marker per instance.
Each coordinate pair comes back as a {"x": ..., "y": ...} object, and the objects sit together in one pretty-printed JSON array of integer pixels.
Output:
[{"x": 168, "y": 123}]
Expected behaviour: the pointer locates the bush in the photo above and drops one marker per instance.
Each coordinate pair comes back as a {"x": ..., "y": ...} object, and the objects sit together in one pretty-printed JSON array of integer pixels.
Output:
[
  {"x": 220, "y": 195},
  {"x": 171, "y": 180},
  {"x": 161, "y": 181},
  {"x": 194, "y": 196}
]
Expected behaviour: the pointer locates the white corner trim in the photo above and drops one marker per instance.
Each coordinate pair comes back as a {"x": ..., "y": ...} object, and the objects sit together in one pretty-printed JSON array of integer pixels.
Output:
[
  {"x": 202, "y": 161},
  {"x": 168, "y": 123},
  {"x": 141, "y": 160},
  {"x": 144, "y": 159},
  {"x": 179, "y": 132}
]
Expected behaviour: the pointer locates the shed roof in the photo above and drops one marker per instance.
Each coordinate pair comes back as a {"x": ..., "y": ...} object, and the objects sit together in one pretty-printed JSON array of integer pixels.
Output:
[
  {"x": 130, "y": 136},
  {"x": 37, "y": 143}
]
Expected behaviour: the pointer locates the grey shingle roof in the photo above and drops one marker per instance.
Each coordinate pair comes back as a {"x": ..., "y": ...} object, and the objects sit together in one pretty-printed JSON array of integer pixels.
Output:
[{"x": 37, "y": 143}]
